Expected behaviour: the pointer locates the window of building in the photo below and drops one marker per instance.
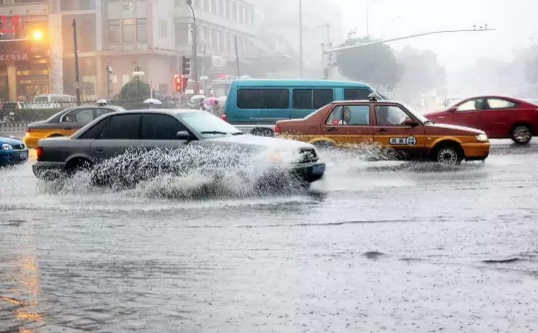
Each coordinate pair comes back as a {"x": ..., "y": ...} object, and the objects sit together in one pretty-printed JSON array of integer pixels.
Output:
[
  {"x": 221, "y": 8},
  {"x": 141, "y": 30},
  {"x": 221, "y": 41},
  {"x": 205, "y": 7},
  {"x": 228, "y": 6},
  {"x": 263, "y": 98},
  {"x": 214, "y": 9},
  {"x": 114, "y": 31},
  {"x": 214, "y": 39},
  {"x": 70, "y": 5},
  {"x": 311, "y": 98},
  {"x": 235, "y": 11},
  {"x": 182, "y": 34},
  {"x": 163, "y": 28},
  {"x": 129, "y": 31},
  {"x": 230, "y": 42},
  {"x": 206, "y": 37}
]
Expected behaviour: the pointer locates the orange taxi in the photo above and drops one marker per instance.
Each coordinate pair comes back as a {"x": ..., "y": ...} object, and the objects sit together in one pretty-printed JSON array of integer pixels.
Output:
[
  {"x": 65, "y": 122},
  {"x": 393, "y": 125}
]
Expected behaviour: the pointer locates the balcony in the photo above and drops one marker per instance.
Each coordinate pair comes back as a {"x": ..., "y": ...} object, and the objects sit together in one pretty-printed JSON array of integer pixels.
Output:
[
  {"x": 183, "y": 14},
  {"x": 25, "y": 9}
]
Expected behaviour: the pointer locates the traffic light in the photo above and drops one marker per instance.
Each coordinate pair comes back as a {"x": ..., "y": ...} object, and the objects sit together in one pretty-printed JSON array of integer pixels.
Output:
[
  {"x": 177, "y": 83},
  {"x": 185, "y": 65}
]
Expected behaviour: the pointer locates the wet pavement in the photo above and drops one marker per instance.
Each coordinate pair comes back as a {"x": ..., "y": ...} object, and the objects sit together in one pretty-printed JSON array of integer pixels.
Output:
[{"x": 373, "y": 247}]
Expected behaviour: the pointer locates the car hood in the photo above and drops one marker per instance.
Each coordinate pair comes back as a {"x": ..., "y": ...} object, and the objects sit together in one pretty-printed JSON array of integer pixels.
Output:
[
  {"x": 456, "y": 128},
  {"x": 435, "y": 113},
  {"x": 268, "y": 142},
  {"x": 10, "y": 141}
]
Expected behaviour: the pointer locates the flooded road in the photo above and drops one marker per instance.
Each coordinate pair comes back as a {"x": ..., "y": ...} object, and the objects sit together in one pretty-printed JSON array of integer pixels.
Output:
[{"x": 373, "y": 247}]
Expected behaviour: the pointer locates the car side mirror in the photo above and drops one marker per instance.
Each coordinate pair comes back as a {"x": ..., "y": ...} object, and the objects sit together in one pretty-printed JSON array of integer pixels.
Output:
[
  {"x": 183, "y": 135},
  {"x": 411, "y": 123}
]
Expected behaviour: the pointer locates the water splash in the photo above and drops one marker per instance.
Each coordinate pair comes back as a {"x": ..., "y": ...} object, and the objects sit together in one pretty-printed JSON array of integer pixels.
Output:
[{"x": 190, "y": 172}]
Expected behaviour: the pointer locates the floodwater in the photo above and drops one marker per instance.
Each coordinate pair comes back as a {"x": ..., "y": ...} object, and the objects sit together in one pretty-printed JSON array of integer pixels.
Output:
[{"x": 373, "y": 247}]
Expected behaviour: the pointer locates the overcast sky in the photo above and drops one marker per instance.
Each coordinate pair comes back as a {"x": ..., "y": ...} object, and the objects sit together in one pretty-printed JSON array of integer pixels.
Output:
[{"x": 516, "y": 22}]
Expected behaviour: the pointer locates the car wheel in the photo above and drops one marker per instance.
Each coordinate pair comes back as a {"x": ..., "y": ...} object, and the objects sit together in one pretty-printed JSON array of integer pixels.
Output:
[
  {"x": 448, "y": 155},
  {"x": 79, "y": 164},
  {"x": 323, "y": 144},
  {"x": 262, "y": 132},
  {"x": 521, "y": 134}
]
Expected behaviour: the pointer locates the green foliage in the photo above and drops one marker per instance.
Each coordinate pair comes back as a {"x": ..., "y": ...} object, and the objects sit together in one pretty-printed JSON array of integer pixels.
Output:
[
  {"x": 135, "y": 92},
  {"x": 134, "y": 89},
  {"x": 373, "y": 64},
  {"x": 421, "y": 72}
]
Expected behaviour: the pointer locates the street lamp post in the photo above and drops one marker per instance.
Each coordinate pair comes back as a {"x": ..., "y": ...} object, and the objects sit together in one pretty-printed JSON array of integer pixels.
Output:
[
  {"x": 389, "y": 22},
  {"x": 138, "y": 73},
  {"x": 194, "y": 59},
  {"x": 301, "y": 37},
  {"x": 75, "y": 50}
]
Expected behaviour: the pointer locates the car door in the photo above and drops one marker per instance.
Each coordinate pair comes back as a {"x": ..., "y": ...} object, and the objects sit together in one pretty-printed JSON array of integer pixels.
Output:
[
  {"x": 390, "y": 131},
  {"x": 468, "y": 113},
  {"x": 121, "y": 132},
  {"x": 349, "y": 124},
  {"x": 160, "y": 130},
  {"x": 496, "y": 118},
  {"x": 75, "y": 120}
]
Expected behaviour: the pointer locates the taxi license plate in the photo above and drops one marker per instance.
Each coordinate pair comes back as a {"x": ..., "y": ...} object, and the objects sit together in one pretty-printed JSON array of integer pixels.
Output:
[
  {"x": 318, "y": 169},
  {"x": 23, "y": 155}
]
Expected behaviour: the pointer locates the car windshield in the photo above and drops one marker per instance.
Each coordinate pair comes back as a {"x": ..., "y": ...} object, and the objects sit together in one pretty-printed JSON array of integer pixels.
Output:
[
  {"x": 415, "y": 113},
  {"x": 208, "y": 125}
]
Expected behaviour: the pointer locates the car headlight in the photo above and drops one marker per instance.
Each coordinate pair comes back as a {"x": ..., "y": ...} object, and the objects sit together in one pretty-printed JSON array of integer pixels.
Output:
[
  {"x": 482, "y": 137},
  {"x": 6, "y": 146},
  {"x": 275, "y": 157}
]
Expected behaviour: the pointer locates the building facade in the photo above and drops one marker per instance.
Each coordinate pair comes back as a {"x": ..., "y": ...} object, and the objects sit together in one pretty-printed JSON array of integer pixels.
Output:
[{"x": 122, "y": 35}]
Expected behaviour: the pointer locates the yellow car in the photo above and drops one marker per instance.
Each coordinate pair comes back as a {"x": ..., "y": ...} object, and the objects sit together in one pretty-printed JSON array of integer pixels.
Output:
[{"x": 65, "y": 122}]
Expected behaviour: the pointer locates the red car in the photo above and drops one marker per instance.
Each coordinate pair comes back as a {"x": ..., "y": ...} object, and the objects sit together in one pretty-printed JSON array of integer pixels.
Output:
[{"x": 500, "y": 117}]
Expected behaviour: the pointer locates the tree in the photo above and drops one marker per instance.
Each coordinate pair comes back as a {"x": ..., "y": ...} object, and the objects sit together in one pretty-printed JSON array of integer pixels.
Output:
[
  {"x": 134, "y": 90},
  {"x": 133, "y": 94},
  {"x": 373, "y": 64},
  {"x": 421, "y": 73},
  {"x": 529, "y": 57}
]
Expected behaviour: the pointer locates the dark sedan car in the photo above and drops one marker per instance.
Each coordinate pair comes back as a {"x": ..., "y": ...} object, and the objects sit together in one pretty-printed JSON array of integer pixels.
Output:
[
  {"x": 65, "y": 122},
  {"x": 116, "y": 133}
]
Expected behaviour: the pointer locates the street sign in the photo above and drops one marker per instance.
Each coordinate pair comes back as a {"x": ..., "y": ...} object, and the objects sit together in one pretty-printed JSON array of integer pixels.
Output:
[{"x": 83, "y": 85}]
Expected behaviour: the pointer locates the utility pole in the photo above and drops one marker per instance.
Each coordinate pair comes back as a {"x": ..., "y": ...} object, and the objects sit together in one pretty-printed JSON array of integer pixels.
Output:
[
  {"x": 237, "y": 57},
  {"x": 368, "y": 18},
  {"x": 194, "y": 59},
  {"x": 301, "y": 37},
  {"x": 77, "y": 73}
]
